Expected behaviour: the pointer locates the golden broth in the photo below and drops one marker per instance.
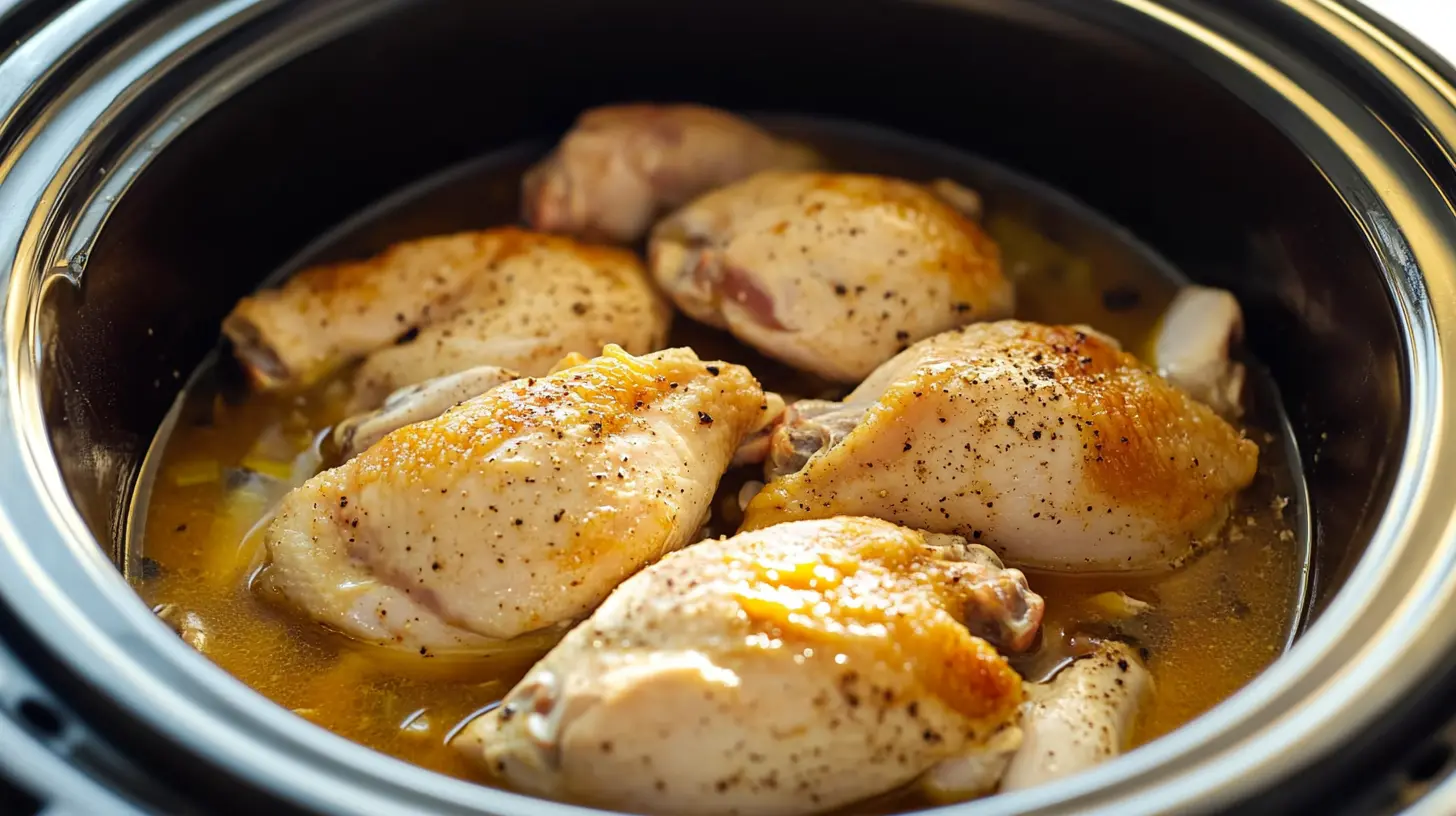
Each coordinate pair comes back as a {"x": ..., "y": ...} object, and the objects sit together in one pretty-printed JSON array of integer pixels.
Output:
[{"x": 1215, "y": 623}]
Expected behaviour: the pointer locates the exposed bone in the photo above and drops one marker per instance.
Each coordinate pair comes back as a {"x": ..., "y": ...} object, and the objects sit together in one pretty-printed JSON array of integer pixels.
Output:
[{"x": 1194, "y": 344}]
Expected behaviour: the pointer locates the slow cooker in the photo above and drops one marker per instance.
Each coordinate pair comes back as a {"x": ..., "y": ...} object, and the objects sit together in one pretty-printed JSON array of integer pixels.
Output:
[{"x": 161, "y": 158}]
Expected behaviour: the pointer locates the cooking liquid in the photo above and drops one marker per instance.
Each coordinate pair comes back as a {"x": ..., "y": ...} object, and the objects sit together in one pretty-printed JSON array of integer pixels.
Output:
[{"x": 1215, "y": 622}]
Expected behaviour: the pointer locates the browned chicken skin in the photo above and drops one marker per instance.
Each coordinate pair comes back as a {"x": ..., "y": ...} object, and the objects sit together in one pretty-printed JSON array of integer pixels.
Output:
[
  {"x": 784, "y": 671},
  {"x": 1047, "y": 443},
  {"x": 408, "y": 406},
  {"x": 518, "y": 509},
  {"x": 439, "y": 305},
  {"x": 832, "y": 273},
  {"x": 620, "y": 167}
]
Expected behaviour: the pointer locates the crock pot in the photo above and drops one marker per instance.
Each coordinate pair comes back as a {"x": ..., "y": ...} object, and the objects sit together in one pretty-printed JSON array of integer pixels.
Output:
[{"x": 160, "y": 159}]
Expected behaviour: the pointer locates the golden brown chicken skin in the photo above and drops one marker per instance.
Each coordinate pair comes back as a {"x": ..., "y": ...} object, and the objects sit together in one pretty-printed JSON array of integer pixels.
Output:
[
  {"x": 790, "y": 670},
  {"x": 520, "y": 508},
  {"x": 435, "y": 306},
  {"x": 832, "y": 273},
  {"x": 1047, "y": 443}
]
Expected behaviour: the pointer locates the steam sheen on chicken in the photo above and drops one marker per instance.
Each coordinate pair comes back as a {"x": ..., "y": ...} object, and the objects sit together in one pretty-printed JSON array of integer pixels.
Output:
[
  {"x": 518, "y": 509},
  {"x": 786, "y": 671},
  {"x": 436, "y": 306},
  {"x": 831, "y": 273},
  {"x": 1047, "y": 443},
  {"x": 620, "y": 167}
]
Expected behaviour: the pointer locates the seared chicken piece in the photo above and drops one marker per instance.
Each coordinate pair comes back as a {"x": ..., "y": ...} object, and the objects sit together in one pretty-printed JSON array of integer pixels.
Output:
[
  {"x": 431, "y": 398},
  {"x": 435, "y": 306},
  {"x": 1082, "y": 718},
  {"x": 1194, "y": 341},
  {"x": 786, "y": 671},
  {"x": 1047, "y": 443},
  {"x": 416, "y": 403},
  {"x": 556, "y": 298},
  {"x": 830, "y": 273},
  {"x": 621, "y": 167},
  {"x": 520, "y": 508}
]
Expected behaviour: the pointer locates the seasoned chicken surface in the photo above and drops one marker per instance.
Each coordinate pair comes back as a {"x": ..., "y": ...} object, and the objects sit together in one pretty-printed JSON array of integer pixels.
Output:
[
  {"x": 518, "y": 509},
  {"x": 831, "y": 273},
  {"x": 620, "y": 167},
  {"x": 435, "y": 306},
  {"x": 1082, "y": 718},
  {"x": 790, "y": 670},
  {"x": 1047, "y": 443},
  {"x": 416, "y": 403}
]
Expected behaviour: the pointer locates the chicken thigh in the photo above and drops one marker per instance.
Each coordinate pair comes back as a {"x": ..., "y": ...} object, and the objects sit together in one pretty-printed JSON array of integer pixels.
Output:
[
  {"x": 830, "y": 273},
  {"x": 439, "y": 305},
  {"x": 518, "y": 509},
  {"x": 786, "y": 671},
  {"x": 620, "y": 167},
  {"x": 1080, "y": 719},
  {"x": 1047, "y": 443}
]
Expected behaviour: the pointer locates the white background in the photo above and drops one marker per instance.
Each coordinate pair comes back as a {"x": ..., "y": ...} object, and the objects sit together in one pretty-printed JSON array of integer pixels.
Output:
[{"x": 1431, "y": 20}]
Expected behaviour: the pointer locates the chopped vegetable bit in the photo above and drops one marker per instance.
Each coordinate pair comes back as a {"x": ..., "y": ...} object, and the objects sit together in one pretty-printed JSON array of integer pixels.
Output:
[
  {"x": 1118, "y": 605},
  {"x": 282, "y": 470},
  {"x": 190, "y": 474}
]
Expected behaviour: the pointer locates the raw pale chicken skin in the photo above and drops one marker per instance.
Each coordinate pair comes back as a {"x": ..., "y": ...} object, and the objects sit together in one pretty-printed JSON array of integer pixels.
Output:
[
  {"x": 620, "y": 167},
  {"x": 439, "y": 305},
  {"x": 1047, "y": 443},
  {"x": 787, "y": 671},
  {"x": 519, "y": 509},
  {"x": 830, "y": 273}
]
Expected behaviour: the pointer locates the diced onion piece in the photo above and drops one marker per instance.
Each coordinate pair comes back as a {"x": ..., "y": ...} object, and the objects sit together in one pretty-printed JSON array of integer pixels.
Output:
[
  {"x": 280, "y": 470},
  {"x": 197, "y": 472},
  {"x": 1118, "y": 605}
]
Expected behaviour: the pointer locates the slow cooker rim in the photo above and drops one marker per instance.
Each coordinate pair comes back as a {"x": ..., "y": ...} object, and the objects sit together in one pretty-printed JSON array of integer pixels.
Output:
[{"x": 1425, "y": 346}]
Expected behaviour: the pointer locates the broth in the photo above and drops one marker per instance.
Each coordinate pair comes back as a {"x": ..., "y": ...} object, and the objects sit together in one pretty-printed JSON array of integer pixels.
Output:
[{"x": 1217, "y": 620}]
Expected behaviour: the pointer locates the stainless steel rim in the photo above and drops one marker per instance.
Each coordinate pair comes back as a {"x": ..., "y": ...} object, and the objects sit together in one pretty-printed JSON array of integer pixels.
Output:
[{"x": 1394, "y": 619}]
